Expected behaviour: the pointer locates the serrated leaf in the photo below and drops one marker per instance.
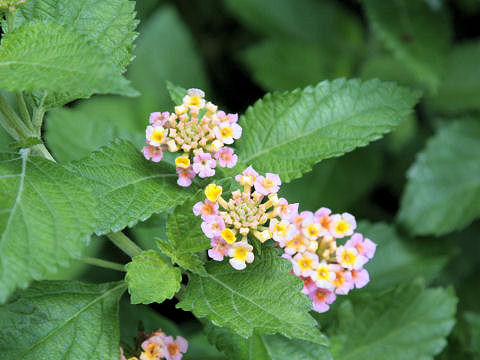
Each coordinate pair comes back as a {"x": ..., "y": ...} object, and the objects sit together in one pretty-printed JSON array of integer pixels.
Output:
[
  {"x": 73, "y": 133},
  {"x": 265, "y": 347},
  {"x": 53, "y": 319},
  {"x": 34, "y": 54},
  {"x": 47, "y": 214},
  {"x": 176, "y": 92},
  {"x": 128, "y": 187},
  {"x": 407, "y": 323},
  {"x": 460, "y": 87},
  {"x": 443, "y": 189},
  {"x": 287, "y": 133},
  {"x": 185, "y": 237},
  {"x": 264, "y": 297},
  {"x": 416, "y": 34},
  {"x": 398, "y": 260},
  {"x": 151, "y": 278},
  {"x": 110, "y": 24},
  {"x": 165, "y": 51}
]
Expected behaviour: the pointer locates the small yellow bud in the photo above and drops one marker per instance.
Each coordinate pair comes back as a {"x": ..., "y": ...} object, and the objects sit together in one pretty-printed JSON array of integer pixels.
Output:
[
  {"x": 182, "y": 162},
  {"x": 228, "y": 235}
]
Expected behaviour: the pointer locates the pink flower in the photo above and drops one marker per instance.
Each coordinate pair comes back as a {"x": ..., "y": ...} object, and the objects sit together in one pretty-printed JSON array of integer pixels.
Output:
[
  {"x": 321, "y": 299},
  {"x": 247, "y": 177},
  {"x": 364, "y": 247},
  {"x": 122, "y": 356},
  {"x": 158, "y": 118},
  {"x": 308, "y": 285},
  {"x": 285, "y": 210},
  {"x": 343, "y": 280},
  {"x": 270, "y": 184},
  {"x": 304, "y": 264},
  {"x": 360, "y": 278},
  {"x": 213, "y": 226},
  {"x": 226, "y": 157},
  {"x": 152, "y": 152},
  {"x": 205, "y": 208},
  {"x": 348, "y": 257},
  {"x": 156, "y": 135},
  {"x": 322, "y": 217},
  {"x": 219, "y": 249},
  {"x": 185, "y": 176},
  {"x": 203, "y": 165},
  {"x": 342, "y": 225},
  {"x": 175, "y": 348}
]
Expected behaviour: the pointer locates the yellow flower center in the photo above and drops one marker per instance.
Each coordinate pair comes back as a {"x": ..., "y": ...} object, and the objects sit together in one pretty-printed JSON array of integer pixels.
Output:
[
  {"x": 213, "y": 192},
  {"x": 173, "y": 349},
  {"x": 158, "y": 135},
  {"x": 152, "y": 351},
  {"x": 182, "y": 162},
  {"x": 268, "y": 183},
  {"x": 348, "y": 257},
  {"x": 342, "y": 227},
  {"x": 323, "y": 272},
  {"x": 313, "y": 230},
  {"x": 240, "y": 253},
  {"x": 280, "y": 229},
  {"x": 195, "y": 100},
  {"x": 226, "y": 132},
  {"x": 228, "y": 235},
  {"x": 305, "y": 263},
  {"x": 207, "y": 209}
]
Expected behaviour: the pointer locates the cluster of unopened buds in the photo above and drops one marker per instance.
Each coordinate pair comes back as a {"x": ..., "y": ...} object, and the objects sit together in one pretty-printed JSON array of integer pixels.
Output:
[
  {"x": 11, "y": 5},
  {"x": 199, "y": 131},
  {"x": 309, "y": 240},
  {"x": 228, "y": 223},
  {"x": 159, "y": 346}
]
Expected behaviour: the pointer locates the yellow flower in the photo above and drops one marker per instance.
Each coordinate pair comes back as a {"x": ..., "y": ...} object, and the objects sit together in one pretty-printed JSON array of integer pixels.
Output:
[
  {"x": 228, "y": 235},
  {"x": 182, "y": 162},
  {"x": 213, "y": 192}
]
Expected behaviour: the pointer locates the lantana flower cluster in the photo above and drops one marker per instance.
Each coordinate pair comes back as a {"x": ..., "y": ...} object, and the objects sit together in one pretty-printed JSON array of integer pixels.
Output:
[
  {"x": 228, "y": 223},
  {"x": 309, "y": 241},
  {"x": 197, "y": 130},
  {"x": 159, "y": 346}
]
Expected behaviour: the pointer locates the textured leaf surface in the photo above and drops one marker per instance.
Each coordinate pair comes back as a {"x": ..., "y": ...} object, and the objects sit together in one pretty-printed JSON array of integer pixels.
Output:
[
  {"x": 416, "y": 34},
  {"x": 151, "y": 278},
  {"x": 73, "y": 133},
  {"x": 128, "y": 187},
  {"x": 264, "y": 297},
  {"x": 185, "y": 237},
  {"x": 34, "y": 54},
  {"x": 58, "y": 319},
  {"x": 176, "y": 92},
  {"x": 460, "y": 88},
  {"x": 46, "y": 217},
  {"x": 265, "y": 347},
  {"x": 165, "y": 51},
  {"x": 398, "y": 260},
  {"x": 407, "y": 323},
  {"x": 287, "y": 133},
  {"x": 443, "y": 189},
  {"x": 110, "y": 24}
]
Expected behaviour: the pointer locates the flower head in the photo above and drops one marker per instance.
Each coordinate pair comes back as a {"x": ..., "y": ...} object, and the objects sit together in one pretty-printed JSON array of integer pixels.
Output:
[
  {"x": 205, "y": 208},
  {"x": 270, "y": 184},
  {"x": 199, "y": 131},
  {"x": 185, "y": 176},
  {"x": 240, "y": 253},
  {"x": 159, "y": 346},
  {"x": 175, "y": 348}
]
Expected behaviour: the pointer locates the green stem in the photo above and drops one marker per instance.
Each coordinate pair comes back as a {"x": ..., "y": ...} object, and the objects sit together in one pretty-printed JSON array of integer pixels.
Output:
[
  {"x": 5, "y": 123},
  {"x": 124, "y": 243},
  {"x": 38, "y": 114},
  {"x": 42, "y": 150},
  {"x": 23, "y": 108},
  {"x": 10, "y": 22},
  {"x": 103, "y": 263},
  {"x": 14, "y": 120}
]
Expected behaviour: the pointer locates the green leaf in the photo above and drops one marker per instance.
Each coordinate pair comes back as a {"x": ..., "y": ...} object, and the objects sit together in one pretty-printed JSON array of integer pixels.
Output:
[
  {"x": 110, "y": 24},
  {"x": 165, "y": 51},
  {"x": 443, "y": 189},
  {"x": 306, "y": 21},
  {"x": 398, "y": 260},
  {"x": 417, "y": 35},
  {"x": 407, "y": 323},
  {"x": 281, "y": 65},
  {"x": 128, "y": 187},
  {"x": 146, "y": 232},
  {"x": 265, "y": 347},
  {"x": 287, "y": 133},
  {"x": 73, "y": 133},
  {"x": 46, "y": 217},
  {"x": 25, "y": 143},
  {"x": 34, "y": 54},
  {"x": 473, "y": 322},
  {"x": 185, "y": 237},
  {"x": 152, "y": 279},
  {"x": 55, "y": 319},
  {"x": 460, "y": 89},
  {"x": 176, "y": 92},
  {"x": 264, "y": 297},
  {"x": 5, "y": 140},
  {"x": 334, "y": 187}
]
